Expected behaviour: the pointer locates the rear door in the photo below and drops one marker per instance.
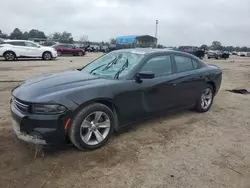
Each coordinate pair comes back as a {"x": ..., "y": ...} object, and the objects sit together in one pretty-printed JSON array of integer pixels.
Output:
[
  {"x": 189, "y": 81},
  {"x": 19, "y": 47}
]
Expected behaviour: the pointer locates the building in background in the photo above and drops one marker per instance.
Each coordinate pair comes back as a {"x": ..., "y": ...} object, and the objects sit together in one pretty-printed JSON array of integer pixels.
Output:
[{"x": 135, "y": 41}]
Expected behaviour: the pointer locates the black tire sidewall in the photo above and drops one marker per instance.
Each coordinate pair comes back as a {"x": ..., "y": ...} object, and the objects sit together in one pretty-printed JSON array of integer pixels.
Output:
[
  {"x": 45, "y": 54},
  {"x": 198, "y": 106},
  {"x": 10, "y": 53},
  {"x": 74, "y": 130}
]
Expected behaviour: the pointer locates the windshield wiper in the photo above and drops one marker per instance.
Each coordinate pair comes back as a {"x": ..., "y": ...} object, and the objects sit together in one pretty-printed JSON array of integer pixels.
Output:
[
  {"x": 96, "y": 68},
  {"x": 107, "y": 65},
  {"x": 125, "y": 65},
  {"x": 110, "y": 64}
]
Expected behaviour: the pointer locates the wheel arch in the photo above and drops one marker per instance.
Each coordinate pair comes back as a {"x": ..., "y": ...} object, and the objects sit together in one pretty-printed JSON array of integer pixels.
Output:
[
  {"x": 9, "y": 51},
  {"x": 47, "y": 51},
  {"x": 213, "y": 85},
  {"x": 105, "y": 101}
]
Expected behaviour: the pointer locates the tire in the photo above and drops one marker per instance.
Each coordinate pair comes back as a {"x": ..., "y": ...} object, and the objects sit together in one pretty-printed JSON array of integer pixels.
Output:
[
  {"x": 209, "y": 57},
  {"x": 9, "y": 56},
  {"x": 80, "y": 54},
  {"x": 47, "y": 56},
  {"x": 199, "y": 107},
  {"x": 83, "y": 135},
  {"x": 59, "y": 53}
]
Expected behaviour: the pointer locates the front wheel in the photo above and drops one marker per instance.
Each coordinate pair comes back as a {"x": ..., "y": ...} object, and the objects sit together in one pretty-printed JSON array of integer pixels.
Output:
[
  {"x": 92, "y": 127},
  {"x": 205, "y": 101},
  {"x": 47, "y": 56}
]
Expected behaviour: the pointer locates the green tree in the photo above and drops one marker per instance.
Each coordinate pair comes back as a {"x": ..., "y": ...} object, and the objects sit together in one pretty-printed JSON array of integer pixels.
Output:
[
  {"x": 244, "y": 49},
  {"x": 204, "y": 46},
  {"x": 3, "y": 35},
  {"x": 34, "y": 33},
  {"x": 216, "y": 45},
  {"x": 229, "y": 48},
  {"x": 66, "y": 37},
  {"x": 16, "y": 34},
  {"x": 25, "y": 35},
  {"x": 160, "y": 46},
  {"x": 56, "y": 36},
  {"x": 112, "y": 41}
]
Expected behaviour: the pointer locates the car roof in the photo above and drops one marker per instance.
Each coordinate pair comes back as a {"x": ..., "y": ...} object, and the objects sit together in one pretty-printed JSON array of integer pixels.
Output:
[
  {"x": 8, "y": 40},
  {"x": 147, "y": 51}
]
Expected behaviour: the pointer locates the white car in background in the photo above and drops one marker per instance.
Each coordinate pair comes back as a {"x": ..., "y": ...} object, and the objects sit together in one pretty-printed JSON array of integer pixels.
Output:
[{"x": 14, "y": 49}]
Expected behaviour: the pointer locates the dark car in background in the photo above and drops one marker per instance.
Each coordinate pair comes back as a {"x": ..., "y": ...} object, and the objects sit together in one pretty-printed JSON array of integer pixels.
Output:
[
  {"x": 68, "y": 49},
  {"x": 196, "y": 51},
  {"x": 217, "y": 54},
  {"x": 87, "y": 105}
]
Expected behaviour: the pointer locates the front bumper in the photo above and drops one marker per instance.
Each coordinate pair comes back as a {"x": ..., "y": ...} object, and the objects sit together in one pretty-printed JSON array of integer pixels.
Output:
[
  {"x": 39, "y": 129},
  {"x": 54, "y": 54}
]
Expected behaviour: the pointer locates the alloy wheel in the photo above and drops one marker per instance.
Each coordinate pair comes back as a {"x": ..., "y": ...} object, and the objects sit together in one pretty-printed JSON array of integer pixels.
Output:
[
  {"x": 95, "y": 128},
  {"x": 9, "y": 56},
  {"x": 206, "y": 98},
  {"x": 47, "y": 56}
]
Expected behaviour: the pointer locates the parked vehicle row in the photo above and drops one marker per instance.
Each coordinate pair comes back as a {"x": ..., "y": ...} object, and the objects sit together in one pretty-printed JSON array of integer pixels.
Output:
[
  {"x": 87, "y": 105},
  {"x": 200, "y": 53},
  {"x": 68, "y": 49},
  {"x": 217, "y": 54},
  {"x": 14, "y": 49}
]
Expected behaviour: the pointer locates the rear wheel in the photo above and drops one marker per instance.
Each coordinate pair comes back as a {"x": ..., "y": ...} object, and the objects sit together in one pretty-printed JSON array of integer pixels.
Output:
[
  {"x": 47, "y": 56},
  {"x": 205, "y": 101},
  {"x": 9, "y": 56},
  {"x": 92, "y": 127}
]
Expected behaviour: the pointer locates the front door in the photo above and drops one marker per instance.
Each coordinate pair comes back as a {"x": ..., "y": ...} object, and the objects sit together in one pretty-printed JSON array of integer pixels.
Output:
[
  {"x": 158, "y": 93},
  {"x": 32, "y": 49}
]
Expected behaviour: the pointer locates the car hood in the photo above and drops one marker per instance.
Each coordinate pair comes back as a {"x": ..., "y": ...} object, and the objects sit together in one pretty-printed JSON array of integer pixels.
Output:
[{"x": 37, "y": 87}]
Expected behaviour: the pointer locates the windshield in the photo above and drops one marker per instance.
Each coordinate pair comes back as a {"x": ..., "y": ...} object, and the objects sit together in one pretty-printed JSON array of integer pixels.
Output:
[{"x": 113, "y": 62}]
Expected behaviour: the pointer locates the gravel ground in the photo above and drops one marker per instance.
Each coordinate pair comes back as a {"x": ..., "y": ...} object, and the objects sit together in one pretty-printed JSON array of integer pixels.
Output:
[{"x": 184, "y": 149}]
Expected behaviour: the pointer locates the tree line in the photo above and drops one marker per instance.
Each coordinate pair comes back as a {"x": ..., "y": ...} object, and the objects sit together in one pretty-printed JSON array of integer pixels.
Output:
[
  {"x": 64, "y": 37},
  {"x": 216, "y": 45}
]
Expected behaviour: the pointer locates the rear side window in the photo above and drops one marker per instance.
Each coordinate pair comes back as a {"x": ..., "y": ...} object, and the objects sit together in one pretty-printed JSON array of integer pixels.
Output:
[
  {"x": 185, "y": 64},
  {"x": 16, "y": 43},
  {"x": 160, "y": 65},
  {"x": 195, "y": 64}
]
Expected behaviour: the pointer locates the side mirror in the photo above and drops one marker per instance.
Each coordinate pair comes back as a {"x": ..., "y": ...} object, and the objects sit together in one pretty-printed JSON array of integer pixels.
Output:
[{"x": 144, "y": 75}]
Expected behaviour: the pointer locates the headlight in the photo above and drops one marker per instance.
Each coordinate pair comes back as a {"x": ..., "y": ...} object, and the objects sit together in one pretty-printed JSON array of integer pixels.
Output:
[{"x": 48, "y": 109}]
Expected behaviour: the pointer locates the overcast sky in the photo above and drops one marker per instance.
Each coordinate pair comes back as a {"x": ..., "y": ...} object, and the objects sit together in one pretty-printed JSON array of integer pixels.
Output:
[{"x": 181, "y": 22}]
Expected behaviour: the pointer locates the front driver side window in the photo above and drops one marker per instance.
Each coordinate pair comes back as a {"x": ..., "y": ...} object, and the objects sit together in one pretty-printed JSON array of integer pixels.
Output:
[
  {"x": 30, "y": 44},
  {"x": 159, "y": 65}
]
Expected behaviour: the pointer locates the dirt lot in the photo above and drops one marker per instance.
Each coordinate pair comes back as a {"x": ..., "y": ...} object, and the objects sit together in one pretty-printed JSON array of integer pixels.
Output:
[{"x": 185, "y": 149}]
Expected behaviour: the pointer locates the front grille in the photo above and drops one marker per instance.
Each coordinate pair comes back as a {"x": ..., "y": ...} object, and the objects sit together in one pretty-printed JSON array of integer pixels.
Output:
[{"x": 21, "y": 106}]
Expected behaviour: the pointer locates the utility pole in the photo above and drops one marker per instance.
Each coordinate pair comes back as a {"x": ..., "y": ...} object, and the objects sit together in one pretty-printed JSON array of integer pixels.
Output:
[{"x": 156, "y": 31}]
